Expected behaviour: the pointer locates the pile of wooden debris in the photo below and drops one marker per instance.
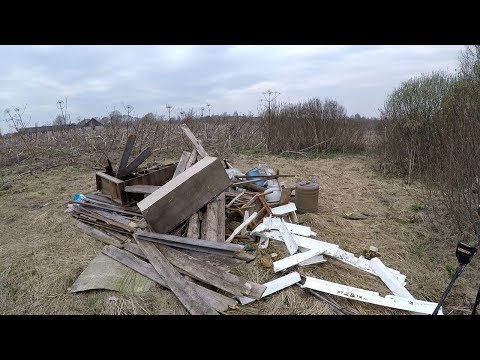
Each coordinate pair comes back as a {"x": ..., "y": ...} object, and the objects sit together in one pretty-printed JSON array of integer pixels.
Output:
[{"x": 172, "y": 224}]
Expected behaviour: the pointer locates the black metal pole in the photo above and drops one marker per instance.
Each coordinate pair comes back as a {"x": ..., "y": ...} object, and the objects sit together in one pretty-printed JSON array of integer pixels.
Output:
[
  {"x": 477, "y": 301},
  {"x": 457, "y": 273}
]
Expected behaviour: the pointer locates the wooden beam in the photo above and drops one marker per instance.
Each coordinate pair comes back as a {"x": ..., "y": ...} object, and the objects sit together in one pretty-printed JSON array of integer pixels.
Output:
[
  {"x": 217, "y": 301},
  {"x": 192, "y": 159},
  {"x": 126, "y": 154},
  {"x": 141, "y": 189},
  {"x": 182, "y": 163},
  {"x": 184, "y": 195},
  {"x": 98, "y": 234},
  {"x": 371, "y": 297},
  {"x": 183, "y": 290},
  {"x": 201, "y": 151},
  {"x": 193, "y": 231},
  {"x": 209, "y": 227},
  {"x": 196, "y": 242},
  {"x": 138, "y": 160},
  {"x": 211, "y": 275},
  {"x": 221, "y": 217},
  {"x": 274, "y": 286}
]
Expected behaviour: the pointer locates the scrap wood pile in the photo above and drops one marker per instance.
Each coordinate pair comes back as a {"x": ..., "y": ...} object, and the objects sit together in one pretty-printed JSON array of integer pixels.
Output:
[{"x": 171, "y": 225}]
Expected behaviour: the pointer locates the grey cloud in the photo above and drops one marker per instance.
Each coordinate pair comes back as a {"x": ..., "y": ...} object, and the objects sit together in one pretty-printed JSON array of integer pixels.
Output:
[{"x": 98, "y": 79}]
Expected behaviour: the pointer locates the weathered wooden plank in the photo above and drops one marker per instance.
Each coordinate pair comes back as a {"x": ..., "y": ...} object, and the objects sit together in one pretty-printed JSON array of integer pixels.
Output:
[
  {"x": 201, "y": 151},
  {"x": 121, "y": 171},
  {"x": 211, "y": 275},
  {"x": 225, "y": 263},
  {"x": 196, "y": 242},
  {"x": 217, "y": 301},
  {"x": 241, "y": 226},
  {"x": 192, "y": 159},
  {"x": 387, "y": 277},
  {"x": 141, "y": 189},
  {"x": 288, "y": 239},
  {"x": 209, "y": 227},
  {"x": 138, "y": 160},
  {"x": 294, "y": 259},
  {"x": 274, "y": 286},
  {"x": 183, "y": 290},
  {"x": 371, "y": 297},
  {"x": 221, "y": 217},
  {"x": 184, "y": 195},
  {"x": 112, "y": 208},
  {"x": 284, "y": 209},
  {"x": 182, "y": 163},
  {"x": 98, "y": 234},
  {"x": 193, "y": 231}
]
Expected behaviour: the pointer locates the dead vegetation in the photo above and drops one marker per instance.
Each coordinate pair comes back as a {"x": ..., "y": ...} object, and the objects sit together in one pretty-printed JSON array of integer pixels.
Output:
[{"x": 42, "y": 253}]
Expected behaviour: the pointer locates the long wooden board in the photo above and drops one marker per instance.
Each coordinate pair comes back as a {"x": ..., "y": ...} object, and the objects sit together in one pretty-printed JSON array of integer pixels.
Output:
[
  {"x": 182, "y": 163},
  {"x": 121, "y": 171},
  {"x": 222, "y": 262},
  {"x": 217, "y": 301},
  {"x": 141, "y": 189},
  {"x": 184, "y": 195},
  {"x": 195, "y": 242},
  {"x": 209, "y": 274},
  {"x": 183, "y": 290},
  {"x": 98, "y": 234},
  {"x": 201, "y": 151}
]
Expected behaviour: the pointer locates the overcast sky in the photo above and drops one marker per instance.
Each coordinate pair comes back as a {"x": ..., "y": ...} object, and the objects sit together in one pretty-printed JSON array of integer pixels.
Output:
[{"x": 98, "y": 79}]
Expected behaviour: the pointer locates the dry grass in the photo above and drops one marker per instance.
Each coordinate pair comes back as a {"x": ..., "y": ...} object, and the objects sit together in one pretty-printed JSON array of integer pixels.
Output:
[{"x": 41, "y": 253}]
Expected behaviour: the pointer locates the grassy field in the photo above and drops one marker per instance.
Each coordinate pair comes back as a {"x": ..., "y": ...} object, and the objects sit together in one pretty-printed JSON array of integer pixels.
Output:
[{"x": 41, "y": 253}]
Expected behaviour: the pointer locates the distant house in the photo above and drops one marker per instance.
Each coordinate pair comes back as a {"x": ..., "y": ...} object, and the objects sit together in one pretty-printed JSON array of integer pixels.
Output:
[{"x": 89, "y": 123}]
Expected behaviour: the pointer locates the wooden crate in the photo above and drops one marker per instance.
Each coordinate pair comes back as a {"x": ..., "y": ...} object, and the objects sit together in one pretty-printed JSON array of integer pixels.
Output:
[{"x": 115, "y": 188}]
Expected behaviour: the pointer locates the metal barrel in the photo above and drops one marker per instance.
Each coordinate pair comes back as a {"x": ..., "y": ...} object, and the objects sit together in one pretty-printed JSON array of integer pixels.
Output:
[{"x": 306, "y": 196}]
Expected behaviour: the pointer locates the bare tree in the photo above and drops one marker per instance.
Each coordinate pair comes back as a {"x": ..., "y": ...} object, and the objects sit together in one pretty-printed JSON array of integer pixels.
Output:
[
  {"x": 209, "y": 106},
  {"x": 169, "y": 109}
]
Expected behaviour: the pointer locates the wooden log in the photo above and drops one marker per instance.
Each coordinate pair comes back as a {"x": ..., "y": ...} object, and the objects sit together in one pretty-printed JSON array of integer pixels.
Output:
[
  {"x": 217, "y": 301},
  {"x": 181, "y": 197},
  {"x": 201, "y": 151},
  {"x": 98, "y": 234},
  {"x": 183, "y": 290},
  {"x": 141, "y": 189},
  {"x": 209, "y": 274},
  {"x": 182, "y": 164},
  {"x": 138, "y": 160},
  {"x": 121, "y": 171}
]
